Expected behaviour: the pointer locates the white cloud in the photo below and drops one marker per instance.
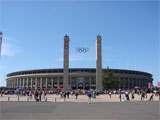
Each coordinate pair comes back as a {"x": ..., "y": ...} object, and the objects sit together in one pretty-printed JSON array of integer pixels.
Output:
[
  {"x": 8, "y": 49},
  {"x": 9, "y": 46},
  {"x": 2, "y": 67}
]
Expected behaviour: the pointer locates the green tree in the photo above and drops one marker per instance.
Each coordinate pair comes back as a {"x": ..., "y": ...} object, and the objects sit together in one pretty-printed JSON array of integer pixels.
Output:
[{"x": 110, "y": 79}]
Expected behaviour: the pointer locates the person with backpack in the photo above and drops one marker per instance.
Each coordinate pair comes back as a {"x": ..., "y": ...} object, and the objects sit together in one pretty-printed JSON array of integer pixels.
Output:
[
  {"x": 76, "y": 94},
  {"x": 89, "y": 98}
]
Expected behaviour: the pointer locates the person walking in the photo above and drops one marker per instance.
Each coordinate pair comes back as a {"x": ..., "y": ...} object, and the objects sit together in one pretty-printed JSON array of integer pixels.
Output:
[
  {"x": 151, "y": 98},
  {"x": 40, "y": 95},
  {"x": 64, "y": 96},
  {"x": 120, "y": 96},
  {"x": 30, "y": 94},
  {"x": 76, "y": 94},
  {"x": 36, "y": 96},
  {"x": 110, "y": 94},
  {"x": 43, "y": 94},
  {"x": 142, "y": 96},
  {"x": 61, "y": 94},
  {"x": 89, "y": 98},
  {"x": 68, "y": 94},
  {"x": 127, "y": 96},
  {"x": 132, "y": 96}
]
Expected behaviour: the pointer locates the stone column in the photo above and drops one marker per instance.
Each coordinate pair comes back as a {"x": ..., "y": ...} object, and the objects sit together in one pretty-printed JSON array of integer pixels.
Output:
[
  {"x": 66, "y": 63},
  {"x": 119, "y": 84},
  {"x": 20, "y": 82},
  {"x": 7, "y": 83},
  {"x": 57, "y": 81},
  {"x": 14, "y": 83},
  {"x": 46, "y": 83},
  {"x": 51, "y": 82},
  {"x": 31, "y": 83},
  {"x": 41, "y": 83},
  {"x": 17, "y": 83},
  {"x": 11, "y": 83},
  {"x": 23, "y": 82},
  {"x": 84, "y": 83},
  {"x": 36, "y": 83},
  {"x": 98, "y": 63},
  {"x": 27, "y": 83}
]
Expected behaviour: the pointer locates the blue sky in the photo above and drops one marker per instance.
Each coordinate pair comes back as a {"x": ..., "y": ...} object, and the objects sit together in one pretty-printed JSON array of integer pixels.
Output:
[{"x": 34, "y": 30}]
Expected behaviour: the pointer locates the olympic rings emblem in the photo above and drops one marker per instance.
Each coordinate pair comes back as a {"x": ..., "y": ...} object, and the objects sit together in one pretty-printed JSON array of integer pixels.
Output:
[{"x": 82, "y": 50}]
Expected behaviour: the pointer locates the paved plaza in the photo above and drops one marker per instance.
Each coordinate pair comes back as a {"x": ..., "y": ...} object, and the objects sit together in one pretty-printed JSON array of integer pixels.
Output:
[{"x": 79, "y": 111}]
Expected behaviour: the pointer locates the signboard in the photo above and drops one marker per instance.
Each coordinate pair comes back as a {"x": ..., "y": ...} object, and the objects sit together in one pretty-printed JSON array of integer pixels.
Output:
[
  {"x": 74, "y": 84},
  {"x": 80, "y": 84},
  {"x": 69, "y": 86},
  {"x": 149, "y": 85},
  {"x": 38, "y": 83},
  {"x": 59, "y": 86}
]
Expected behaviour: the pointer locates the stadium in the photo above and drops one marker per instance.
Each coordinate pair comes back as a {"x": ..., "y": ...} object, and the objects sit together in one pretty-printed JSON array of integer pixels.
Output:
[
  {"x": 76, "y": 78},
  {"x": 79, "y": 78}
]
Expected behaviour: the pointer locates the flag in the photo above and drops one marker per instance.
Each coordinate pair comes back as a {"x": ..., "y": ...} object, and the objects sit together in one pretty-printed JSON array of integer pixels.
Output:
[{"x": 159, "y": 84}]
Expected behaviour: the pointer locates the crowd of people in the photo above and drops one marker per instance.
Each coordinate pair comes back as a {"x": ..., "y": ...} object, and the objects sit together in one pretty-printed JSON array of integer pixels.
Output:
[{"x": 39, "y": 94}]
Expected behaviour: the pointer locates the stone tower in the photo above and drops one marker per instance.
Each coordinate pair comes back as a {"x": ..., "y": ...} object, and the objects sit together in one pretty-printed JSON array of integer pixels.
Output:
[
  {"x": 98, "y": 63},
  {"x": 1, "y": 34},
  {"x": 66, "y": 63}
]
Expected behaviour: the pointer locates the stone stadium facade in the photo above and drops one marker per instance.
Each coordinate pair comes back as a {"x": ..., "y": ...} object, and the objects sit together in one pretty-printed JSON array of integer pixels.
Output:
[{"x": 79, "y": 78}]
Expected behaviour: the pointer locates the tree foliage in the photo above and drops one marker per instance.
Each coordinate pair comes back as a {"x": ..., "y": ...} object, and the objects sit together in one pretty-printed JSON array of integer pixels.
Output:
[{"x": 110, "y": 79}]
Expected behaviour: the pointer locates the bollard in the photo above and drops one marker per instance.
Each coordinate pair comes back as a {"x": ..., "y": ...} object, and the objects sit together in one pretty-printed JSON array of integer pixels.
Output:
[
  {"x": 8, "y": 98},
  {"x": 55, "y": 99},
  {"x": 18, "y": 98},
  {"x": 45, "y": 99}
]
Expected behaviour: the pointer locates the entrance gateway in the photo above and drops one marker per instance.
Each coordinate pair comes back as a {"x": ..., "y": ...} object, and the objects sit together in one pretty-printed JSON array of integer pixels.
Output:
[{"x": 81, "y": 80}]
